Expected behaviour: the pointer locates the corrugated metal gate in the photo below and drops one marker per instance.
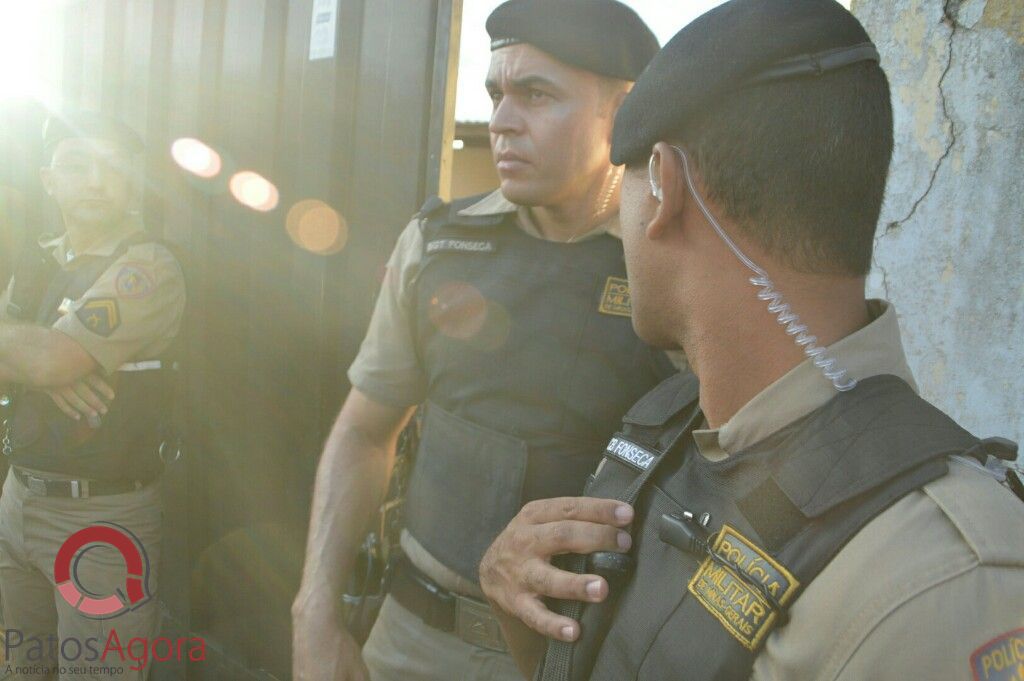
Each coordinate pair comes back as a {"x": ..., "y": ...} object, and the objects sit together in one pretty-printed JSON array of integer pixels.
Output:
[{"x": 273, "y": 326}]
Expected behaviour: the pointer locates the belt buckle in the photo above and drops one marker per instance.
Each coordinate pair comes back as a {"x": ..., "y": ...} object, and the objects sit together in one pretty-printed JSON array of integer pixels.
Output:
[
  {"x": 79, "y": 489},
  {"x": 477, "y": 625},
  {"x": 37, "y": 485}
]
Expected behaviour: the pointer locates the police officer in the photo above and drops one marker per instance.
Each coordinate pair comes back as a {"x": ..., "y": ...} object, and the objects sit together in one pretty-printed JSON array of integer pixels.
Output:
[
  {"x": 803, "y": 513},
  {"x": 507, "y": 315},
  {"x": 86, "y": 328}
]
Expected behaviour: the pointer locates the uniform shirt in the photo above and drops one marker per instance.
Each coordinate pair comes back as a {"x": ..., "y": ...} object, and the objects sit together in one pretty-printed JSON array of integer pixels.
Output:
[
  {"x": 145, "y": 283},
  {"x": 930, "y": 589},
  {"x": 387, "y": 368}
]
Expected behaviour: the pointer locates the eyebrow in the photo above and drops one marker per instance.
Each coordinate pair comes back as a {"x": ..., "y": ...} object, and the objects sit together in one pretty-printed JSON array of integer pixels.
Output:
[{"x": 525, "y": 83}]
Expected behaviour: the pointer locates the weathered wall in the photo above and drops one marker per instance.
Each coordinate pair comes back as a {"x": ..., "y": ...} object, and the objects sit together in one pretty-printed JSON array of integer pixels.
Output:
[{"x": 950, "y": 244}]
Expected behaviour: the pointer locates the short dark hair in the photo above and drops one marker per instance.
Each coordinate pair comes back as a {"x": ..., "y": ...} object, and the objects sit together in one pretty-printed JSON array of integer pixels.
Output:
[{"x": 801, "y": 165}]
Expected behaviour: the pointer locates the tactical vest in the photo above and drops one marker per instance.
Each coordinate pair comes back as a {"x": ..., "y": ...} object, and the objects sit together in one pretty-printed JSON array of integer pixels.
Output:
[
  {"x": 723, "y": 549},
  {"x": 125, "y": 446},
  {"x": 530, "y": 359}
]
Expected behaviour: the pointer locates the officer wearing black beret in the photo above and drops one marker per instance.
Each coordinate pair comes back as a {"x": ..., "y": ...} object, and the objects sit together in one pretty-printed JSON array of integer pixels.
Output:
[
  {"x": 507, "y": 316},
  {"x": 802, "y": 513}
]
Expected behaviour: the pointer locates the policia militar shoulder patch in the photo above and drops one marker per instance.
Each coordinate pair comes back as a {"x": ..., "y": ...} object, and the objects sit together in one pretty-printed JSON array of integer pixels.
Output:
[
  {"x": 615, "y": 300},
  {"x": 102, "y": 316},
  {"x": 724, "y": 586}
]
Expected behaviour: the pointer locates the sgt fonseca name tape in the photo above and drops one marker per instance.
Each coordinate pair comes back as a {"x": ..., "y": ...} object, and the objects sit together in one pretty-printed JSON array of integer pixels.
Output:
[
  {"x": 461, "y": 245},
  {"x": 631, "y": 453}
]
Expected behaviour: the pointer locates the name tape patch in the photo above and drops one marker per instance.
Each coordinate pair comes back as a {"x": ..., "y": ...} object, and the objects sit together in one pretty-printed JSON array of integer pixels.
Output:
[
  {"x": 631, "y": 453},
  {"x": 461, "y": 246},
  {"x": 1001, "y": 659},
  {"x": 615, "y": 300},
  {"x": 741, "y": 608}
]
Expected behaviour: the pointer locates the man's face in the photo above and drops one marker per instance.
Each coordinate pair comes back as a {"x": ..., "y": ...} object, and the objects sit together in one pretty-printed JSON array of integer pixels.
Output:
[
  {"x": 550, "y": 126},
  {"x": 89, "y": 180}
]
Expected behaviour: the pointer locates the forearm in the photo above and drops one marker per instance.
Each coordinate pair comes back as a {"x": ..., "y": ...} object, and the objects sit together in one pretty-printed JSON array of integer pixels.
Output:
[
  {"x": 29, "y": 355},
  {"x": 350, "y": 484}
]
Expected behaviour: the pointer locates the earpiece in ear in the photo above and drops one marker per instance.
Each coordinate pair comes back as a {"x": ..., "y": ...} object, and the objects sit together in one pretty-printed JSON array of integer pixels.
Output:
[{"x": 656, "y": 191}]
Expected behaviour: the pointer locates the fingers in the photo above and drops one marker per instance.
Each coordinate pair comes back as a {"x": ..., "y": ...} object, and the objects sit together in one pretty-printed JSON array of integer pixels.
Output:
[
  {"x": 574, "y": 536},
  {"x": 535, "y": 615},
  {"x": 63, "y": 405},
  {"x": 86, "y": 394},
  {"x": 100, "y": 386},
  {"x": 77, "y": 403},
  {"x": 589, "y": 509},
  {"x": 542, "y": 579}
]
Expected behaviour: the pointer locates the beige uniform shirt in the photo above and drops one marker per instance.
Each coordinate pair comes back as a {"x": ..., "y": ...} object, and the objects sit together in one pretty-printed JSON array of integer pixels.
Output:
[
  {"x": 387, "y": 368},
  {"x": 933, "y": 588},
  {"x": 133, "y": 311}
]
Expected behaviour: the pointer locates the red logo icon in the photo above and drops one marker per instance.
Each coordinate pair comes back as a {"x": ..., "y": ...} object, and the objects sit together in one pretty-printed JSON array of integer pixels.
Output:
[{"x": 102, "y": 606}]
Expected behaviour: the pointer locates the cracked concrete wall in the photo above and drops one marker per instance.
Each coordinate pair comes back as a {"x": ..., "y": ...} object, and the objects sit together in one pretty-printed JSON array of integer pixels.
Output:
[{"x": 949, "y": 250}]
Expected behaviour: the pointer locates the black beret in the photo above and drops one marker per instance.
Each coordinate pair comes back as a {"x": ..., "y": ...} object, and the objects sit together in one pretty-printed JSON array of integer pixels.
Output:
[
  {"x": 601, "y": 36},
  {"x": 738, "y": 44},
  {"x": 92, "y": 124}
]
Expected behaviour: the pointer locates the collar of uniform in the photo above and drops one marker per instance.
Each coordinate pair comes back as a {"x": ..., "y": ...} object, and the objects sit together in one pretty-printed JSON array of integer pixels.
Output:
[
  {"x": 60, "y": 246},
  {"x": 495, "y": 203},
  {"x": 871, "y": 351}
]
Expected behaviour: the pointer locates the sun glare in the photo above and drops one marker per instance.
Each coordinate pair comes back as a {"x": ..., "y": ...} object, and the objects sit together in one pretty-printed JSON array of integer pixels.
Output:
[{"x": 21, "y": 33}]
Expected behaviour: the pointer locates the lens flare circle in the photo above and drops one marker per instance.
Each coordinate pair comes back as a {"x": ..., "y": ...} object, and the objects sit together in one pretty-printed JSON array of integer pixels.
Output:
[
  {"x": 196, "y": 157},
  {"x": 254, "y": 191},
  {"x": 316, "y": 227}
]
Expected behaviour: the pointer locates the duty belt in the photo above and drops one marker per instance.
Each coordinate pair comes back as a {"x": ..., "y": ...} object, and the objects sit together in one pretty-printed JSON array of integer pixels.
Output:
[
  {"x": 75, "y": 489},
  {"x": 468, "y": 618}
]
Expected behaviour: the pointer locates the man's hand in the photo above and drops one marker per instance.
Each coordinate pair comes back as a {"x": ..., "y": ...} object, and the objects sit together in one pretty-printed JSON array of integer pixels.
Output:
[
  {"x": 322, "y": 650},
  {"x": 516, "y": 572},
  {"x": 83, "y": 398}
]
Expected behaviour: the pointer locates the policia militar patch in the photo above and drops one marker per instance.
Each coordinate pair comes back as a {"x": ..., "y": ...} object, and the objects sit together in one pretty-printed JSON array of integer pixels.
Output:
[
  {"x": 731, "y": 598},
  {"x": 615, "y": 300},
  {"x": 102, "y": 316}
]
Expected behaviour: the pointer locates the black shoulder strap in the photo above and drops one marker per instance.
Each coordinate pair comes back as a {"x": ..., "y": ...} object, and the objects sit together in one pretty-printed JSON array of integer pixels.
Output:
[
  {"x": 32, "y": 276},
  {"x": 652, "y": 429}
]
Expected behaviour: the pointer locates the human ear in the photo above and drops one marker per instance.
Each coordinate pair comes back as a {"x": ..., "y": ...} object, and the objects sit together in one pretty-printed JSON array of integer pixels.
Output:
[{"x": 667, "y": 186}]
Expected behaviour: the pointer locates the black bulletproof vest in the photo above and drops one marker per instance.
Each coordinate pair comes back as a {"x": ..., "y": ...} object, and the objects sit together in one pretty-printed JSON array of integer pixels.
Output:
[
  {"x": 527, "y": 376},
  {"x": 723, "y": 549},
  {"x": 125, "y": 446}
]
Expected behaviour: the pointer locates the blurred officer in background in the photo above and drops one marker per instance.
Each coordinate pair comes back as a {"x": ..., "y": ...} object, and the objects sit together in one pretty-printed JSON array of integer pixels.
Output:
[{"x": 87, "y": 325}]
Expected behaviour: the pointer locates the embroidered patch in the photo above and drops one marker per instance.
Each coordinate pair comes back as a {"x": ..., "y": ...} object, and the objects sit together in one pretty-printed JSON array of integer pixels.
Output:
[
  {"x": 1001, "y": 659},
  {"x": 100, "y": 315},
  {"x": 742, "y": 609},
  {"x": 615, "y": 300},
  {"x": 630, "y": 453},
  {"x": 461, "y": 246},
  {"x": 133, "y": 281}
]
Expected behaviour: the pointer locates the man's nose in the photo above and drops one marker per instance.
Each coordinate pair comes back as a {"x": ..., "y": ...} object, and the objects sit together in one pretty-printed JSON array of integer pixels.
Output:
[
  {"x": 505, "y": 119},
  {"x": 97, "y": 173}
]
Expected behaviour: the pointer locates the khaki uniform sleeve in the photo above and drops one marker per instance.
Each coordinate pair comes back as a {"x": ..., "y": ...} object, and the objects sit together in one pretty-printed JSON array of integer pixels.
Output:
[
  {"x": 133, "y": 311},
  {"x": 967, "y": 628},
  {"x": 917, "y": 594},
  {"x": 387, "y": 368}
]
